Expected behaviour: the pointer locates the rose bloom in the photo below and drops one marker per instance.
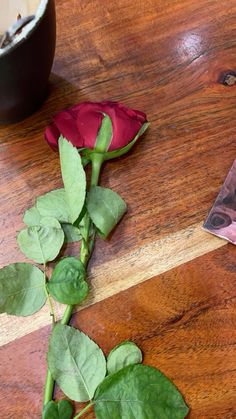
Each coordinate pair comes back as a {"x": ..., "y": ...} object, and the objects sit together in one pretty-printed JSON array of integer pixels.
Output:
[{"x": 80, "y": 124}]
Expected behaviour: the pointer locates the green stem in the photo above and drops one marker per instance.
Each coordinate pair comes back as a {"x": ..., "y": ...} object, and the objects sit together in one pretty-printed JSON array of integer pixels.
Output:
[
  {"x": 49, "y": 388},
  {"x": 52, "y": 311},
  {"x": 85, "y": 254},
  {"x": 67, "y": 315},
  {"x": 50, "y": 303},
  {"x": 97, "y": 160},
  {"x": 83, "y": 410}
]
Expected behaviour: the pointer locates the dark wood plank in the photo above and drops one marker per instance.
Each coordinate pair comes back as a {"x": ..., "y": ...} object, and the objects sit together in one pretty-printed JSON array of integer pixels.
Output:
[
  {"x": 164, "y": 57},
  {"x": 183, "y": 320}
]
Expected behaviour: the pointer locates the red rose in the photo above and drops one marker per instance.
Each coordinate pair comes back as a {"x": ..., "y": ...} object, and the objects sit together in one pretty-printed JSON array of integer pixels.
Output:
[{"x": 80, "y": 124}]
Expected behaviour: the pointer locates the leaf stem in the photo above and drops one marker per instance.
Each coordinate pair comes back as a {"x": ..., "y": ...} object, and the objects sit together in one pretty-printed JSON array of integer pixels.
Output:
[
  {"x": 85, "y": 254},
  {"x": 83, "y": 410},
  {"x": 97, "y": 160},
  {"x": 49, "y": 384},
  {"x": 67, "y": 315},
  {"x": 49, "y": 388},
  {"x": 52, "y": 311}
]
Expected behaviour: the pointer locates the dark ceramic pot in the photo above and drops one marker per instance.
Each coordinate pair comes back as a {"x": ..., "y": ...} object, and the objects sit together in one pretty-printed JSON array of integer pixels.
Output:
[{"x": 25, "y": 68}]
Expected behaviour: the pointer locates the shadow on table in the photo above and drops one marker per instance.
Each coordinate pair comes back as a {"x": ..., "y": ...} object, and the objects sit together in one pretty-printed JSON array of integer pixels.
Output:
[{"x": 61, "y": 94}]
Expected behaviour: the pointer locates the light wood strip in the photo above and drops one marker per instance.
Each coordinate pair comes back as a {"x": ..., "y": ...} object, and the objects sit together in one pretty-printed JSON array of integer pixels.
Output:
[
  {"x": 183, "y": 320},
  {"x": 122, "y": 273}
]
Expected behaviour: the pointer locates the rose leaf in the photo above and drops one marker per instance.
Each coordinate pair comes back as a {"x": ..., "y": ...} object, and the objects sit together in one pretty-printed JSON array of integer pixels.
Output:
[
  {"x": 74, "y": 178},
  {"x": 53, "y": 204},
  {"x": 76, "y": 363},
  {"x": 67, "y": 284},
  {"x": 138, "y": 391},
  {"x": 127, "y": 353},
  {"x": 21, "y": 289},
  {"x": 32, "y": 217},
  {"x": 106, "y": 208},
  {"x": 41, "y": 243},
  {"x": 72, "y": 233},
  {"x": 61, "y": 410}
]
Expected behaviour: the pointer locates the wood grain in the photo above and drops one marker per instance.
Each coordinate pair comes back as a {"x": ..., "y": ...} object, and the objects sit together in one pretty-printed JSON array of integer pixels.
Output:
[
  {"x": 170, "y": 71},
  {"x": 169, "y": 59},
  {"x": 184, "y": 321},
  {"x": 121, "y": 273},
  {"x": 174, "y": 74}
]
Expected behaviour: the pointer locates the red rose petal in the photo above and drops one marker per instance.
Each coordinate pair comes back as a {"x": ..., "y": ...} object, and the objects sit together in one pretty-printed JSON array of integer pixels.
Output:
[
  {"x": 52, "y": 135},
  {"x": 67, "y": 126}
]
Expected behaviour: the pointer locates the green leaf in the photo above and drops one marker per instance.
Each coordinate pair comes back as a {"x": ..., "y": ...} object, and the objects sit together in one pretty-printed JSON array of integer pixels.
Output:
[
  {"x": 138, "y": 391},
  {"x": 84, "y": 225},
  {"x": 108, "y": 155},
  {"x": 72, "y": 233},
  {"x": 106, "y": 208},
  {"x": 41, "y": 243},
  {"x": 67, "y": 284},
  {"x": 85, "y": 161},
  {"x": 76, "y": 363},
  {"x": 32, "y": 217},
  {"x": 77, "y": 223},
  {"x": 22, "y": 290},
  {"x": 74, "y": 178},
  {"x": 53, "y": 204},
  {"x": 127, "y": 353},
  {"x": 61, "y": 410},
  {"x": 121, "y": 151},
  {"x": 49, "y": 222},
  {"x": 104, "y": 136}
]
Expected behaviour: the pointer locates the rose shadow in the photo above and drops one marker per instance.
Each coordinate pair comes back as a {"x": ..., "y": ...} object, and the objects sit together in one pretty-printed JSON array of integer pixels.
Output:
[{"x": 61, "y": 94}]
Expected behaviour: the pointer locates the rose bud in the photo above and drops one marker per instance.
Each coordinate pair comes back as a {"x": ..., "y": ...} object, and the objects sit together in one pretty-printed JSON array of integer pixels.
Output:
[{"x": 107, "y": 128}]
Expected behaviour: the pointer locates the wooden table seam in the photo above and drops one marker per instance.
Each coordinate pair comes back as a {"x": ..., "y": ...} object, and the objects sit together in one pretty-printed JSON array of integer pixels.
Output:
[{"x": 123, "y": 273}]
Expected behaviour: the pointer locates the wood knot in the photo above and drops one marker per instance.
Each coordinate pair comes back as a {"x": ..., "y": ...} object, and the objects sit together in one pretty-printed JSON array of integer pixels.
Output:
[{"x": 229, "y": 78}]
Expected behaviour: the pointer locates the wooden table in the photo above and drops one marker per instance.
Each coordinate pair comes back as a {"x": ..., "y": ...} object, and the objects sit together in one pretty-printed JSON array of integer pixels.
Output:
[{"x": 160, "y": 280}]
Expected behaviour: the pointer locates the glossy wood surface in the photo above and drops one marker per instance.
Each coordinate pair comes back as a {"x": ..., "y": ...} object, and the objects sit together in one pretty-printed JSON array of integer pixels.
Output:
[
  {"x": 184, "y": 321},
  {"x": 171, "y": 60}
]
